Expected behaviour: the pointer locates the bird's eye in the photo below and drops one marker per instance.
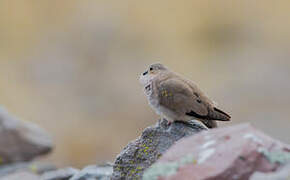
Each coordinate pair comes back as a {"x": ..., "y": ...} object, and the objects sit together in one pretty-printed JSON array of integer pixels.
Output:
[{"x": 151, "y": 69}]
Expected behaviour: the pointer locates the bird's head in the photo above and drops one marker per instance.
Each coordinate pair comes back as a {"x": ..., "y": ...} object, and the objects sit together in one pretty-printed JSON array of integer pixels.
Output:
[{"x": 152, "y": 71}]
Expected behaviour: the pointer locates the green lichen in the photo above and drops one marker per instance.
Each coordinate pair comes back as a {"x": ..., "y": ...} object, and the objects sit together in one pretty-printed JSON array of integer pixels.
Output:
[
  {"x": 166, "y": 169},
  {"x": 276, "y": 156},
  {"x": 33, "y": 168},
  {"x": 139, "y": 168}
]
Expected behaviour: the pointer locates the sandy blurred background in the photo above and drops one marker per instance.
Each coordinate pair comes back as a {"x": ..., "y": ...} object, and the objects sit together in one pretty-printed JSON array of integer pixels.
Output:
[{"x": 72, "y": 66}]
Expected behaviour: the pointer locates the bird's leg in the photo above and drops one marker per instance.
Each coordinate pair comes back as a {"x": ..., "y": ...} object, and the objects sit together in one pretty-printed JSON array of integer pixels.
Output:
[{"x": 169, "y": 122}]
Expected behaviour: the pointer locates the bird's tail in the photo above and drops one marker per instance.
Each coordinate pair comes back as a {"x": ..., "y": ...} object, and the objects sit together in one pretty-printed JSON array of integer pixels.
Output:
[{"x": 219, "y": 115}]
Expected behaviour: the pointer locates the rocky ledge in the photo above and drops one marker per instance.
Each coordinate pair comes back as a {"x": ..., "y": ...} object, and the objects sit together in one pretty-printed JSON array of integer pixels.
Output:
[{"x": 163, "y": 152}]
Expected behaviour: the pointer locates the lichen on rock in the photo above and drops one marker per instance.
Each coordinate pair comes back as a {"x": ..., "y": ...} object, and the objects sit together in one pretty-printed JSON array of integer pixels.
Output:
[
  {"x": 138, "y": 155},
  {"x": 167, "y": 168},
  {"x": 281, "y": 157}
]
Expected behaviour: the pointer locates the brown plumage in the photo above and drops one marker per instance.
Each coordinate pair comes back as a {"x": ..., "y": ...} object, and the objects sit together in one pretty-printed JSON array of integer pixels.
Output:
[{"x": 177, "y": 98}]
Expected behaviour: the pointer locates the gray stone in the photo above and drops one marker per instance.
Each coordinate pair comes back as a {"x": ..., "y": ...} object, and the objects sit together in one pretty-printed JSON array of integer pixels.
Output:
[
  {"x": 94, "y": 172},
  {"x": 60, "y": 174},
  {"x": 21, "y": 141},
  {"x": 154, "y": 141},
  {"x": 33, "y": 167},
  {"x": 21, "y": 175}
]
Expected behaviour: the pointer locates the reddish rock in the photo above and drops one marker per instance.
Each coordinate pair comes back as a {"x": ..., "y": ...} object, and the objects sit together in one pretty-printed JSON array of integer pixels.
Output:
[{"x": 226, "y": 153}]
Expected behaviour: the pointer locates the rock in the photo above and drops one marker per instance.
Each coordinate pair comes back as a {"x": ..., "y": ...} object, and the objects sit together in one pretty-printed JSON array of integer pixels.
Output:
[
  {"x": 21, "y": 141},
  {"x": 60, "y": 174},
  {"x": 21, "y": 175},
  {"x": 226, "y": 153},
  {"x": 94, "y": 172},
  {"x": 33, "y": 167},
  {"x": 281, "y": 174},
  {"x": 154, "y": 141}
]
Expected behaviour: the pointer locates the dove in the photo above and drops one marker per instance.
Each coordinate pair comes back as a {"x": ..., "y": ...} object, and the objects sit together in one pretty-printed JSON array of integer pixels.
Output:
[{"x": 177, "y": 98}]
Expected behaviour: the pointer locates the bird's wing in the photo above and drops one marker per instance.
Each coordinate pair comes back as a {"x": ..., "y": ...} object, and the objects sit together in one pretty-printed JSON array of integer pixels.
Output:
[{"x": 178, "y": 96}]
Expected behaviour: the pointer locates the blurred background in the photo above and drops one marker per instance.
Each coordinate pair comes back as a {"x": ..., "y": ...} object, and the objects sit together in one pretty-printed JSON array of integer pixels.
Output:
[{"x": 72, "y": 66}]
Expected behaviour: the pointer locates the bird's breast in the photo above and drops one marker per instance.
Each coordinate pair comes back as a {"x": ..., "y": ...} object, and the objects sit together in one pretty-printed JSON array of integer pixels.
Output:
[{"x": 153, "y": 98}]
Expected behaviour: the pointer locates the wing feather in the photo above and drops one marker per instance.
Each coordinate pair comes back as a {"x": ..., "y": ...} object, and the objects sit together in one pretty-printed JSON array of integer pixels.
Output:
[{"x": 179, "y": 97}]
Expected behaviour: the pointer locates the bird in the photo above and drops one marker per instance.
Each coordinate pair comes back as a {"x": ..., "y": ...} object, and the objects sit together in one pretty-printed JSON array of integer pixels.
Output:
[{"x": 177, "y": 98}]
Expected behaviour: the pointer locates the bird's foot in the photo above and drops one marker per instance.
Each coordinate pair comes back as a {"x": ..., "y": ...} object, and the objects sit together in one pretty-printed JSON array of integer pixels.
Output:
[{"x": 165, "y": 122}]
